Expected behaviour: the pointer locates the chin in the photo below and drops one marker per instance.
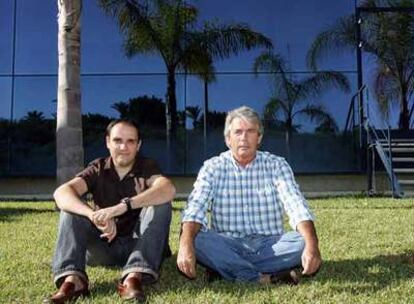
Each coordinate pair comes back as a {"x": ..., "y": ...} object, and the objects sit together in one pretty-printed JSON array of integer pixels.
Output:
[{"x": 123, "y": 163}]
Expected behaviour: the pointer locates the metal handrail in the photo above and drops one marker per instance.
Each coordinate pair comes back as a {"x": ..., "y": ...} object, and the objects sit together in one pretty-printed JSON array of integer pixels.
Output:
[
  {"x": 351, "y": 111},
  {"x": 373, "y": 141}
]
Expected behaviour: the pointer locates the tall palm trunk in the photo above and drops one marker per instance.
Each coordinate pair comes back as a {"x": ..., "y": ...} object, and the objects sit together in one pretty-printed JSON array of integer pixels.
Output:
[
  {"x": 288, "y": 136},
  {"x": 171, "y": 104},
  {"x": 205, "y": 106},
  {"x": 404, "y": 120},
  {"x": 69, "y": 148}
]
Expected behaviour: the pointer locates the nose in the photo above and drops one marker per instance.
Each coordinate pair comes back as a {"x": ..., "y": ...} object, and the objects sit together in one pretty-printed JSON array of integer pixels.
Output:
[{"x": 122, "y": 146}]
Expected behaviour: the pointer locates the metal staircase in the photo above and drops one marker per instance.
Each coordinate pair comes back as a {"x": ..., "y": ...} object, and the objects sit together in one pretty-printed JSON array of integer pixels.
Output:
[
  {"x": 395, "y": 151},
  {"x": 401, "y": 153}
]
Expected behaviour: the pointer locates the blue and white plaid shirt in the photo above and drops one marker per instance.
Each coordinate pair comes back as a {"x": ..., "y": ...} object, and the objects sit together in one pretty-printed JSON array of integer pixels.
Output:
[{"x": 246, "y": 201}]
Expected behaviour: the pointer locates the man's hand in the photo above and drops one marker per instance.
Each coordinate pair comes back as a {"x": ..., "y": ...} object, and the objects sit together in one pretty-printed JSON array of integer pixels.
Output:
[
  {"x": 311, "y": 260},
  {"x": 186, "y": 261},
  {"x": 108, "y": 229},
  {"x": 105, "y": 214}
]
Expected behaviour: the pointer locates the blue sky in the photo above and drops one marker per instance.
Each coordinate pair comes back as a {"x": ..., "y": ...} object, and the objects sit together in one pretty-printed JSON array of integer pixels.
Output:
[{"x": 291, "y": 24}]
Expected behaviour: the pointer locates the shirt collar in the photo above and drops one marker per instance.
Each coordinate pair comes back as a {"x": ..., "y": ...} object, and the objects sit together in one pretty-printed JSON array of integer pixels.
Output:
[
  {"x": 236, "y": 163},
  {"x": 109, "y": 166}
]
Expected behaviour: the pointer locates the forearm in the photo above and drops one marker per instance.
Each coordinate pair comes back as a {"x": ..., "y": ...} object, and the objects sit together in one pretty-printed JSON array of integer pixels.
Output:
[
  {"x": 68, "y": 200},
  {"x": 160, "y": 192},
  {"x": 189, "y": 231},
  {"x": 308, "y": 231}
]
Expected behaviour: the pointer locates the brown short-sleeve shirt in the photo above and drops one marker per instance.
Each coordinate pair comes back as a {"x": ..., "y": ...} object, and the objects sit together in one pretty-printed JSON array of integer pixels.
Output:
[{"x": 107, "y": 189}]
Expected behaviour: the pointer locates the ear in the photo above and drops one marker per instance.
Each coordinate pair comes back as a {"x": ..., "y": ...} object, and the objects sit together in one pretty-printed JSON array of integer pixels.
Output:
[
  {"x": 260, "y": 140},
  {"x": 139, "y": 145},
  {"x": 107, "y": 141},
  {"x": 227, "y": 140}
]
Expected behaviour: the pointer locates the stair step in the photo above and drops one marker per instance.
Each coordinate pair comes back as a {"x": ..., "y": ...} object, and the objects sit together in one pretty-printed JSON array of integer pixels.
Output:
[
  {"x": 404, "y": 170},
  {"x": 403, "y": 159},
  {"x": 399, "y": 140},
  {"x": 406, "y": 182},
  {"x": 404, "y": 150},
  {"x": 398, "y": 145}
]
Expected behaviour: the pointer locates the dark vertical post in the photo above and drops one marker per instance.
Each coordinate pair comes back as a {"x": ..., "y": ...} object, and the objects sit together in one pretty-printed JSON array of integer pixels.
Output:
[
  {"x": 358, "y": 23},
  {"x": 205, "y": 110},
  {"x": 185, "y": 122},
  {"x": 11, "y": 128}
]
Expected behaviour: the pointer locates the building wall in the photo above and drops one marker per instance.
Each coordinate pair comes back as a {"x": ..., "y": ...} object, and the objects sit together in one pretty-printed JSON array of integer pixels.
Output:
[{"x": 312, "y": 185}]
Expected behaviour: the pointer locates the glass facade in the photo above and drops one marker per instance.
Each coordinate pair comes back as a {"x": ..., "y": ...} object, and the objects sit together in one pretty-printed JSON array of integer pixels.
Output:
[{"x": 114, "y": 86}]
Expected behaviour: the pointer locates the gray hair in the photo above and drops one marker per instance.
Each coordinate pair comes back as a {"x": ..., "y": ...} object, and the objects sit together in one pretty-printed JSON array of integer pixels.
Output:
[{"x": 244, "y": 113}]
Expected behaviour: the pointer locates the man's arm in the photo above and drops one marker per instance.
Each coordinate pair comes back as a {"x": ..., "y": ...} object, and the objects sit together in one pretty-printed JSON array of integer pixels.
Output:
[
  {"x": 68, "y": 197},
  {"x": 160, "y": 191},
  {"x": 186, "y": 260},
  {"x": 311, "y": 257}
]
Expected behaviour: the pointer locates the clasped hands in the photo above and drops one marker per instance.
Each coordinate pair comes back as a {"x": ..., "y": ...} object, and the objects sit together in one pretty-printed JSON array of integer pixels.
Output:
[{"x": 104, "y": 220}]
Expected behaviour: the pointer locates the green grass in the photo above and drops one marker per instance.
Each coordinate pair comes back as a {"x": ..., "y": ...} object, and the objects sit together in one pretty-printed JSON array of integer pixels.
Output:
[{"x": 367, "y": 246}]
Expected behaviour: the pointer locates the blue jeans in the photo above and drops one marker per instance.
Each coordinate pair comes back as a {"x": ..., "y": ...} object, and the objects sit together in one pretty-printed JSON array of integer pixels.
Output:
[
  {"x": 79, "y": 243},
  {"x": 244, "y": 259}
]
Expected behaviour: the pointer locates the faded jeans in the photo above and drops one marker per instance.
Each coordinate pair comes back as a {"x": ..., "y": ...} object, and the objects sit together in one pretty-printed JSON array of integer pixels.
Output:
[
  {"x": 79, "y": 244},
  {"x": 245, "y": 259}
]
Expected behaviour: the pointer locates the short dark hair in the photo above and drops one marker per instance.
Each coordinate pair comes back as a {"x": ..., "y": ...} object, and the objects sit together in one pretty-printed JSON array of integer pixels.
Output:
[{"x": 128, "y": 122}]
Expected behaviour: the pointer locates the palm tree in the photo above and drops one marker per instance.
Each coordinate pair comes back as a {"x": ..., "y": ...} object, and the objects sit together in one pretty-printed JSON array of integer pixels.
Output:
[
  {"x": 193, "y": 112},
  {"x": 69, "y": 147},
  {"x": 288, "y": 101},
  {"x": 122, "y": 108},
  {"x": 168, "y": 28},
  {"x": 389, "y": 39},
  {"x": 34, "y": 117}
]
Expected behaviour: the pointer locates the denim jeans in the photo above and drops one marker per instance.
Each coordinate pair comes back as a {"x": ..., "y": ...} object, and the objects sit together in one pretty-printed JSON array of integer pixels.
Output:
[
  {"x": 79, "y": 243},
  {"x": 244, "y": 259}
]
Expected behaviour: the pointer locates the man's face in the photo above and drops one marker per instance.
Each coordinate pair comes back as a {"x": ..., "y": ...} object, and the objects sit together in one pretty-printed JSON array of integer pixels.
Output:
[
  {"x": 243, "y": 140},
  {"x": 123, "y": 145}
]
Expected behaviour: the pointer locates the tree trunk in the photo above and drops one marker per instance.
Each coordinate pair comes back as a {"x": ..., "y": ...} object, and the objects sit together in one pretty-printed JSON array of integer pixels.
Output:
[
  {"x": 69, "y": 147},
  {"x": 288, "y": 137},
  {"x": 171, "y": 104},
  {"x": 404, "y": 121},
  {"x": 205, "y": 107}
]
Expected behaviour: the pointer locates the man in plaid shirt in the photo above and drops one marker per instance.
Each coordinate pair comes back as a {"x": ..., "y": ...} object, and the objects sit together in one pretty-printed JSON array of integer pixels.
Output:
[{"x": 247, "y": 192}]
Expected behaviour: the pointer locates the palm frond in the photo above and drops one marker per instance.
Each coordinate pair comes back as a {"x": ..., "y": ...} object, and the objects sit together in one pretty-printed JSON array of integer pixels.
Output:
[
  {"x": 315, "y": 85},
  {"x": 337, "y": 39},
  {"x": 222, "y": 41}
]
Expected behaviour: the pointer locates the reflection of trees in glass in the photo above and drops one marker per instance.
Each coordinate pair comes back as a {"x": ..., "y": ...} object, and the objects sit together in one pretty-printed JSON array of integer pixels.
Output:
[
  {"x": 144, "y": 110},
  {"x": 215, "y": 119},
  {"x": 193, "y": 112},
  {"x": 292, "y": 98},
  {"x": 389, "y": 39},
  {"x": 69, "y": 148},
  {"x": 169, "y": 28},
  {"x": 94, "y": 126},
  {"x": 34, "y": 130}
]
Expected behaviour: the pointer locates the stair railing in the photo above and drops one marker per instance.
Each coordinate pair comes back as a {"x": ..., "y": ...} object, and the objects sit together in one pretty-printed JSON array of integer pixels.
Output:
[
  {"x": 374, "y": 145},
  {"x": 353, "y": 118}
]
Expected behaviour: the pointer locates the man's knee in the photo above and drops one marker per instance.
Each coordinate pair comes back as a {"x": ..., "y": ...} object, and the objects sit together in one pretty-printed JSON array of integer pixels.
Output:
[
  {"x": 209, "y": 240},
  {"x": 155, "y": 216}
]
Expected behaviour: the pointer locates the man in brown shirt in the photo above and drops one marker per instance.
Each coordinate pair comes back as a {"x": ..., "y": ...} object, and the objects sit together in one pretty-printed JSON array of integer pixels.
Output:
[{"x": 128, "y": 225}]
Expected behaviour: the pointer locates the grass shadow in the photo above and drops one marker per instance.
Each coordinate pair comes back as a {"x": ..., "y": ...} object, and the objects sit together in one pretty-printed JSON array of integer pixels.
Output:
[
  {"x": 367, "y": 275},
  {"x": 8, "y": 214},
  {"x": 356, "y": 276}
]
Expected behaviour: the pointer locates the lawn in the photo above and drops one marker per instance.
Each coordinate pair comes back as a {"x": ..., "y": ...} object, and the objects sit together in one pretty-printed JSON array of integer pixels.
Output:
[{"x": 367, "y": 246}]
